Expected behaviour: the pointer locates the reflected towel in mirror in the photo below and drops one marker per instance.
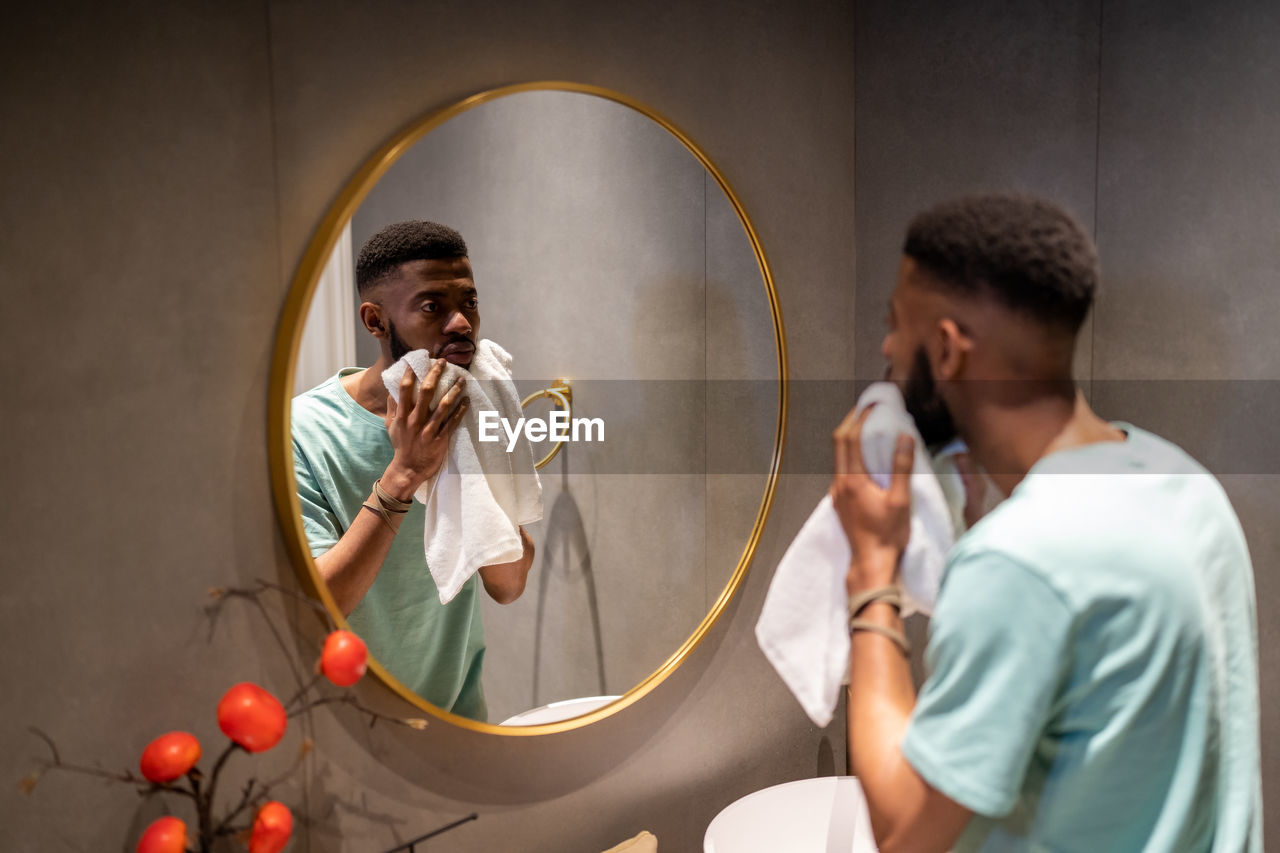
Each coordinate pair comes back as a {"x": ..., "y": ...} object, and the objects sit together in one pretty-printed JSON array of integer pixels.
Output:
[
  {"x": 482, "y": 494},
  {"x": 804, "y": 626}
]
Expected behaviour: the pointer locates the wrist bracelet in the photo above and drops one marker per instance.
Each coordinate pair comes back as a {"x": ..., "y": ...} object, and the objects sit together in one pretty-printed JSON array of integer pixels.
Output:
[
  {"x": 384, "y": 505},
  {"x": 899, "y": 639},
  {"x": 382, "y": 513},
  {"x": 890, "y": 595},
  {"x": 391, "y": 503}
]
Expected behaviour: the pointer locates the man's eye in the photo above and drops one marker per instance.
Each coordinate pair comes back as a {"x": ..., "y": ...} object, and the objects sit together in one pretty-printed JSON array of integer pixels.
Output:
[
  {"x": 473, "y": 303},
  {"x": 429, "y": 307}
]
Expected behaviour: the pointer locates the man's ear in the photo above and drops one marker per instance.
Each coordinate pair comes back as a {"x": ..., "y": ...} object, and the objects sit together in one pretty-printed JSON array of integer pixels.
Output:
[
  {"x": 371, "y": 319},
  {"x": 951, "y": 346}
]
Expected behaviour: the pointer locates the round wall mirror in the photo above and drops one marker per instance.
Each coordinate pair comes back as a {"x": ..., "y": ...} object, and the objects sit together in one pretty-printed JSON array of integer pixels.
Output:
[{"x": 615, "y": 266}]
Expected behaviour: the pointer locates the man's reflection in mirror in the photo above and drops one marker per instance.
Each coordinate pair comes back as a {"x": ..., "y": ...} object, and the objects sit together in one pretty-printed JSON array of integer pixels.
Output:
[{"x": 360, "y": 454}]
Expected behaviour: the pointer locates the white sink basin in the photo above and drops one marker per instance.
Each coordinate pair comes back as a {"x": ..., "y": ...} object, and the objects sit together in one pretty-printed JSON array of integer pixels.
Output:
[
  {"x": 825, "y": 815},
  {"x": 557, "y": 711}
]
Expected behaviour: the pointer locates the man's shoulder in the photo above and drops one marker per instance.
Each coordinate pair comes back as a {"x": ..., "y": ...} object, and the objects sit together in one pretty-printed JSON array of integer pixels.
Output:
[
  {"x": 333, "y": 433},
  {"x": 320, "y": 397},
  {"x": 324, "y": 408},
  {"x": 1139, "y": 510},
  {"x": 1102, "y": 486}
]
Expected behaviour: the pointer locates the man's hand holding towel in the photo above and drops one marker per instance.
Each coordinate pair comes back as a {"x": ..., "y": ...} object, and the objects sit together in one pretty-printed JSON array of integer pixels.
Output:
[
  {"x": 420, "y": 431},
  {"x": 483, "y": 494}
]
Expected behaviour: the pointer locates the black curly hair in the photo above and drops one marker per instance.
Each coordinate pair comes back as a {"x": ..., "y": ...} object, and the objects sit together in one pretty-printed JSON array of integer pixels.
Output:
[
  {"x": 416, "y": 240},
  {"x": 1028, "y": 253}
]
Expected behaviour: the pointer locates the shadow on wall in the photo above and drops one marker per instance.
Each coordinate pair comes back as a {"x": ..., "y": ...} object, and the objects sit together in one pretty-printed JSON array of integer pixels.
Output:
[
  {"x": 566, "y": 536},
  {"x": 335, "y": 823}
]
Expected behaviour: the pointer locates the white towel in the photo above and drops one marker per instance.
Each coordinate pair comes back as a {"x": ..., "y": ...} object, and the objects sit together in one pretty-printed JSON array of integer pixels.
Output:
[
  {"x": 482, "y": 494},
  {"x": 804, "y": 626},
  {"x": 953, "y": 489},
  {"x": 944, "y": 468}
]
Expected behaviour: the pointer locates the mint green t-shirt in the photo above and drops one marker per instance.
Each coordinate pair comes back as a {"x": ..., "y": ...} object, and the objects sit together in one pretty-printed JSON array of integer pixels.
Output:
[
  {"x": 1093, "y": 663},
  {"x": 436, "y": 650}
]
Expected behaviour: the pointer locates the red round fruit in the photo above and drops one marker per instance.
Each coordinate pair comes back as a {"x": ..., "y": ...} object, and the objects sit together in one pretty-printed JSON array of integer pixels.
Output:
[
  {"x": 271, "y": 828},
  {"x": 251, "y": 717},
  {"x": 164, "y": 835},
  {"x": 169, "y": 757},
  {"x": 344, "y": 658}
]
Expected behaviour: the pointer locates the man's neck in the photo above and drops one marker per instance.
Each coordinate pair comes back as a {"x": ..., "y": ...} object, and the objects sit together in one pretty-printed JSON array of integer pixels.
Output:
[
  {"x": 1007, "y": 442},
  {"x": 366, "y": 388}
]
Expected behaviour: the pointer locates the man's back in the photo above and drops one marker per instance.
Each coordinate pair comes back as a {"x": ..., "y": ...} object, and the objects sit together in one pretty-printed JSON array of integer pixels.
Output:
[{"x": 1093, "y": 662}]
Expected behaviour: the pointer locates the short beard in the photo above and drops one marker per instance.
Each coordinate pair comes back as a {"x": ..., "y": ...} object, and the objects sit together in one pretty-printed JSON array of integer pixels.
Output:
[
  {"x": 399, "y": 349},
  {"x": 926, "y": 406}
]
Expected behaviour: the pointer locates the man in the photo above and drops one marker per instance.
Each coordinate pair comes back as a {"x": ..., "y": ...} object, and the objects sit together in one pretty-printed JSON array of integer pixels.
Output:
[
  {"x": 1093, "y": 654},
  {"x": 360, "y": 454}
]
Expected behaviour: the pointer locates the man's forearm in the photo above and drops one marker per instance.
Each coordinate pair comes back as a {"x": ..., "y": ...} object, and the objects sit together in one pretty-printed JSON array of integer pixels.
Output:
[
  {"x": 505, "y": 581},
  {"x": 881, "y": 697},
  {"x": 350, "y": 567},
  {"x": 906, "y": 813}
]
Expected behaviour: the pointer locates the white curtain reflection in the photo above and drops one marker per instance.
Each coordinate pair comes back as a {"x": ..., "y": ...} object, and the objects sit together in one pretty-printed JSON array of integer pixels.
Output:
[{"x": 329, "y": 336}]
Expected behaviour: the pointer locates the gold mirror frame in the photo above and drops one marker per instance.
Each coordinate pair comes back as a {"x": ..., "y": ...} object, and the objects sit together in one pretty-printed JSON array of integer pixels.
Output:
[{"x": 284, "y": 362}]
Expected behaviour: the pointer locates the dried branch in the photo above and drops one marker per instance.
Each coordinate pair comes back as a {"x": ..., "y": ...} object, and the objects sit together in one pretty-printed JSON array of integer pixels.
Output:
[
  {"x": 255, "y": 792},
  {"x": 410, "y": 844},
  {"x": 304, "y": 690},
  {"x": 53, "y": 747},
  {"x": 246, "y": 799},
  {"x": 125, "y": 777},
  {"x": 351, "y": 701},
  {"x": 222, "y": 759},
  {"x": 201, "y": 788},
  {"x": 254, "y": 595},
  {"x": 220, "y": 594}
]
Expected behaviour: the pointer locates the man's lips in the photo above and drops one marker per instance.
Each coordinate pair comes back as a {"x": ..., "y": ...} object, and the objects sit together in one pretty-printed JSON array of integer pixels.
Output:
[{"x": 459, "y": 352}]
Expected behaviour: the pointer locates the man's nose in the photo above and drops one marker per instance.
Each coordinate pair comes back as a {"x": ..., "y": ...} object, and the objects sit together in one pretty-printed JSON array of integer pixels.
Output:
[
  {"x": 458, "y": 324},
  {"x": 884, "y": 347}
]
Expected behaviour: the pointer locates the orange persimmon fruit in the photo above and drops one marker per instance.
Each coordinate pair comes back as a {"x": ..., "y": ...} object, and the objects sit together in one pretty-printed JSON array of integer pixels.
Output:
[
  {"x": 271, "y": 828},
  {"x": 164, "y": 835},
  {"x": 344, "y": 658},
  {"x": 251, "y": 717},
  {"x": 169, "y": 757}
]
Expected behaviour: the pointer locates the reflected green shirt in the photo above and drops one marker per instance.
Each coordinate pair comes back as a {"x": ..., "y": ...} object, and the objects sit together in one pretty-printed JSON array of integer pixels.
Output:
[
  {"x": 1093, "y": 662},
  {"x": 436, "y": 650}
]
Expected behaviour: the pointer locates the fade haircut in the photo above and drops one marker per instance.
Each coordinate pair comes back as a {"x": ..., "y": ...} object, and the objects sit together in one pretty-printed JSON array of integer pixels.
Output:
[
  {"x": 416, "y": 240},
  {"x": 1027, "y": 253}
]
